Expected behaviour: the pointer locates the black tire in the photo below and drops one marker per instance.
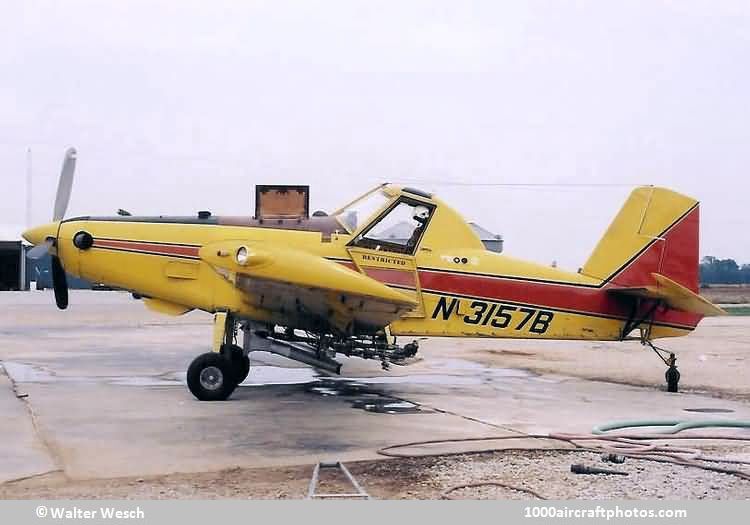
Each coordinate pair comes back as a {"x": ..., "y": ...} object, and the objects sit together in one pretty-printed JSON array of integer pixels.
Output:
[
  {"x": 210, "y": 377},
  {"x": 240, "y": 363},
  {"x": 672, "y": 376}
]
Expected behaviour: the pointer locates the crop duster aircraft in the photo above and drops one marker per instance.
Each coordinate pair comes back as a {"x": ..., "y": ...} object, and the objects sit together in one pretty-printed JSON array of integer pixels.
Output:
[{"x": 310, "y": 288}]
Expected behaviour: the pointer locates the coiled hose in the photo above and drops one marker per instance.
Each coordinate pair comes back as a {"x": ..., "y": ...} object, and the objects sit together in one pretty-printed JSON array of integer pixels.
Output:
[{"x": 633, "y": 445}]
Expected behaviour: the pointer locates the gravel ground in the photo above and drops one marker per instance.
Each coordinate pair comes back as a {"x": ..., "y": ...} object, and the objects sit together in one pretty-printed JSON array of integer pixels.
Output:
[
  {"x": 277, "y": 483},
  {"x": 544, "y": 472},
  {"x": 548, "y": 474}
]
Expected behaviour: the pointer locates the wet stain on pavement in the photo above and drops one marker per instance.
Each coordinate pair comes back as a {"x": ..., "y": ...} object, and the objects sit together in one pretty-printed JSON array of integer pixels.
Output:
[
  {"x": 364, "y": 397},
  {"x": 371, "y": 394},
  {"x": 360, "y": 395}
]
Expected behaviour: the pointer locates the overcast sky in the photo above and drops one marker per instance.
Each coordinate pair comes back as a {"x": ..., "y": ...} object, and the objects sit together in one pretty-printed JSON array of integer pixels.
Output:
[{"x": 180, "y": 106}]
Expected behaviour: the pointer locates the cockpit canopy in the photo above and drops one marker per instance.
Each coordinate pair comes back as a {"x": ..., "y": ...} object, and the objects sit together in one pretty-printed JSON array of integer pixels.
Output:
[
  {"x": 388, "y": 218},
  {"x": 365, "y": 207}
]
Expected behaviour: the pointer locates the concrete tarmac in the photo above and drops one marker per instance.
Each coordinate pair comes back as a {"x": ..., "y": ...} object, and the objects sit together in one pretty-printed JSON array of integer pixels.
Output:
[{"x": 103, "y": 395}]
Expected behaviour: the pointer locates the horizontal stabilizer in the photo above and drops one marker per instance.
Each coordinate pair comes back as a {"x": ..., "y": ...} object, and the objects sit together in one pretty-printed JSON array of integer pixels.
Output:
[{"x": 673, "y": 295}]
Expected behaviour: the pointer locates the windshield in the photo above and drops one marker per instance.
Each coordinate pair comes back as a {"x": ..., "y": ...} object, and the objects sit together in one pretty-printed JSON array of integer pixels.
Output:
[
  {"x": 399, "y": 230},
  {"x": 353, "y": 215}
]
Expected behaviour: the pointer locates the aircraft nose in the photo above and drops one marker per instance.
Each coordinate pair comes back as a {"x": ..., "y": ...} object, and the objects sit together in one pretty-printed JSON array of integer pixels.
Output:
[{"x": 39, "y": 234}]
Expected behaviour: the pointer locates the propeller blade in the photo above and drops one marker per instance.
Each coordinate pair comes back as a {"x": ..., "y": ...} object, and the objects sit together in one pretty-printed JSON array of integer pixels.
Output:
[
  {"x": 65, "y": 184},
  {"x": 40, "y": 250},
  {"x": 59, "y": 283}
]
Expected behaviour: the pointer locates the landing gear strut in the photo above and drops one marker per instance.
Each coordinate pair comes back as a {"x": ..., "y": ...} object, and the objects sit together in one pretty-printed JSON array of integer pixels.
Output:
[
  {"x": 672, "y": 375},
  {"x": 214, "y": 376},
  {"x": 644, "y": 322}
]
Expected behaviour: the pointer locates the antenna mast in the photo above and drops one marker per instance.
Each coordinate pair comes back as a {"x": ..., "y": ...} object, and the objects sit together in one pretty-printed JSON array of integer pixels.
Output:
[{"x": 28, "y": 187}]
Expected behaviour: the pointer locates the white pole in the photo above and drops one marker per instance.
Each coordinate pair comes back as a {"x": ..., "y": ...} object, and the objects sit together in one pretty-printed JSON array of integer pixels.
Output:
[
  {"x": 28, "y": 188},
  {"x": 28, "y": 218}
]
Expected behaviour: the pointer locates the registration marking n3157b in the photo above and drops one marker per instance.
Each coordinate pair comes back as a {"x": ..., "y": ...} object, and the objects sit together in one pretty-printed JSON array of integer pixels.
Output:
[{"x": 496, "y": 315}]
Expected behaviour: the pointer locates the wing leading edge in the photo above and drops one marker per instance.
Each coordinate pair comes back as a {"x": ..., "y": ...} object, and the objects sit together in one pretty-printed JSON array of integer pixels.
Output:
[{"x": 301, "y": 285}]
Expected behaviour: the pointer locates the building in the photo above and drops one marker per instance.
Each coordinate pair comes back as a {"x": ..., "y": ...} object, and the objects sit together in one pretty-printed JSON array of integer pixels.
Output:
[
  {"x": 12, "y": 259},
  {"x": 40, "y": 272},
  {"x": 491, "y": 241}
]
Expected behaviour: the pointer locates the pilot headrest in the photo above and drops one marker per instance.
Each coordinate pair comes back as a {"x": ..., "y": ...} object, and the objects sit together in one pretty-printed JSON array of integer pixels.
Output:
[{"x": 421, "y": 213}]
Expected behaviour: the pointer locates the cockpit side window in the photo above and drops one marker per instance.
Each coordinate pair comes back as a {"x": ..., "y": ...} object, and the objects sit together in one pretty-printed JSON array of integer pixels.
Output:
[{"x": 399, "y": 229}]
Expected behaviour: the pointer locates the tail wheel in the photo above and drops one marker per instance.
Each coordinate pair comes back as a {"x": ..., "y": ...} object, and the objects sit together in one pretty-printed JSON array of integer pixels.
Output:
[
  {"x": 240, "y": 362},
  {"x": 672, "y": 376},
  {"x": 211, "y": 377}
]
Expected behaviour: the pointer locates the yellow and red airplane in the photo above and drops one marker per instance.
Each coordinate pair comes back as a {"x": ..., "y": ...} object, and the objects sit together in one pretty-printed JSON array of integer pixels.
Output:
[{"x": 309, "y": 288}]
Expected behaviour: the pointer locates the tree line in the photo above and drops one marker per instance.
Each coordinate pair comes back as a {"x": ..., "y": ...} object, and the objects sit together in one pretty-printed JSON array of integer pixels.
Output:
[{"x": 723, "y": 271}]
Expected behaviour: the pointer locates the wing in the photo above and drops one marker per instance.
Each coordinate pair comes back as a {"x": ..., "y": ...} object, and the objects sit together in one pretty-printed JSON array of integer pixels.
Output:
[
  {"x": 674, "y": 295},
  {"x": 298, "y": 284}
]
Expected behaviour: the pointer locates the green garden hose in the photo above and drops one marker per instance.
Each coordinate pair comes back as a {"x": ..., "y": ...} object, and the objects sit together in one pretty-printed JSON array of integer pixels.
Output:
[
  {"x": 638, "y": 446},
  {"x": 673, "y": 425}
]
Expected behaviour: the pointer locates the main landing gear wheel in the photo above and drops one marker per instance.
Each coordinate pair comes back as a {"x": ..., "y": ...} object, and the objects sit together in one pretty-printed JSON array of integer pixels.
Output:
[
  {"x": 240, "y": 362},
  {"x": 211, "y": 377}
]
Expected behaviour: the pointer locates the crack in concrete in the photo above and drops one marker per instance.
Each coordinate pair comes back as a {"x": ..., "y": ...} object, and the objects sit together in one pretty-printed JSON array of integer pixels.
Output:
[{"x": 52, "y": 451}]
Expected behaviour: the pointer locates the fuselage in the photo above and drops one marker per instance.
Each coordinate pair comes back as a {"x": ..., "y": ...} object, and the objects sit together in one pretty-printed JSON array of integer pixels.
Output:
[{"x": 461, "y": 289}]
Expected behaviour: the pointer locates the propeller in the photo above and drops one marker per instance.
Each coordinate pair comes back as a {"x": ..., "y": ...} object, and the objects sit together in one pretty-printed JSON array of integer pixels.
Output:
[
  {"x": 40, "y": 250},
  {"x": 62, "y": 198},
  {"x": 65, "y": 184},
  {"x": 59, "y": 283}
]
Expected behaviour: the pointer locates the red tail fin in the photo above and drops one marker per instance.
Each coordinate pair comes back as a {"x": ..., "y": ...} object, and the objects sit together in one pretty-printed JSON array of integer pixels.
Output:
[{"x": 656, "y": 231}]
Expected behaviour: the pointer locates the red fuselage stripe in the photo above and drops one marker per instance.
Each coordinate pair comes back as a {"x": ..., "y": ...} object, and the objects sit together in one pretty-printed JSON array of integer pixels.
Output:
[
  {"x": 593, "y": 301},
  {"x": 390, "y": 276},
  {"x": 148, "y": 247},
  {"x": 562, "y": 297}
]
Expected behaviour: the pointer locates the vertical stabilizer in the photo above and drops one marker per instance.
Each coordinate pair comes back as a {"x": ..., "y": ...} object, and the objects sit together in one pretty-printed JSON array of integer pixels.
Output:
[{"x": 656, "y": 231}]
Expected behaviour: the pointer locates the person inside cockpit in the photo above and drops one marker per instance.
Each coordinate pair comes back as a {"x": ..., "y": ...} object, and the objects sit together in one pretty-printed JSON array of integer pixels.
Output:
[{"x": 421, "y": 215}]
